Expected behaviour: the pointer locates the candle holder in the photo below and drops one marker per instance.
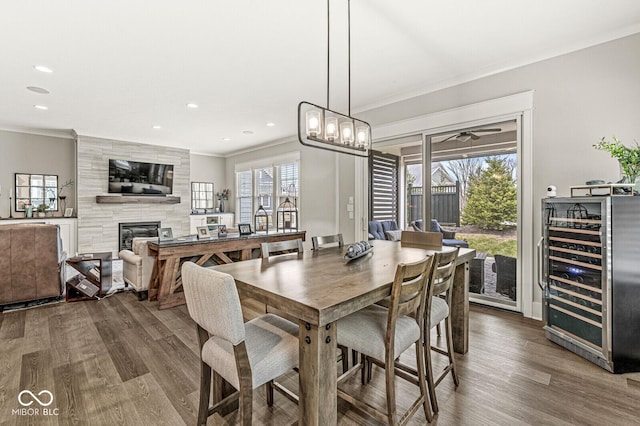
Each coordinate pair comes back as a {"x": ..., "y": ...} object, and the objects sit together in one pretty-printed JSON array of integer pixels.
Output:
[{"x": 10, "y": 214}]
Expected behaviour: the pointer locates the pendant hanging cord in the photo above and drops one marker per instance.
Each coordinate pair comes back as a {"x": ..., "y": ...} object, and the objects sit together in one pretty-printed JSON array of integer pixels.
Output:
[
  {"x": 349, "y": 49},
  {"x": 328, "y": 55}
]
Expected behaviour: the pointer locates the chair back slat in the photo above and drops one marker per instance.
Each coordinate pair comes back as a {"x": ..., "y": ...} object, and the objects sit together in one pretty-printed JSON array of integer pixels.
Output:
[
  {"x": 420, "y": 239},
  {"x": 408, "y": 290},
  {"x": 443, "y": 273},
  {"x": 213, "y": 302},
  {"x": 279, "y": 247},
  {"x": 320, "y": 241}
]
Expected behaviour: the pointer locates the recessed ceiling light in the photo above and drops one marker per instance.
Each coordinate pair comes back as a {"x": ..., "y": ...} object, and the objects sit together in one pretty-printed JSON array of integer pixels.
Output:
[
  {"x": 37, "y": 89},
  {"x": 192, "y": 105},
  {"x": 247, "y": 132},
  {"x": 40, "y": 107},
  {"x": 226, "y": 139},
  {"x": 42, "y": 68},
  {"x": 271, "y": 124},
  {"x": 157, "y": 127}
]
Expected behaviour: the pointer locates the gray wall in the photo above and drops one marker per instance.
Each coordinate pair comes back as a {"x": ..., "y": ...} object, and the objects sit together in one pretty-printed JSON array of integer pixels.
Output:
[
  {"x": 579, "y": 98},
  {"x": 318, "y": 180},
  {"x": 98, "y": 223},
  {"x": 206, "y": 168},
  {"x": 26, "y": 153}
]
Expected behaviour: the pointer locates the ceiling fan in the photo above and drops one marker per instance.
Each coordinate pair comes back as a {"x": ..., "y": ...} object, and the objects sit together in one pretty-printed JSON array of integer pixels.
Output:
[{"x": 470, "y": 134}]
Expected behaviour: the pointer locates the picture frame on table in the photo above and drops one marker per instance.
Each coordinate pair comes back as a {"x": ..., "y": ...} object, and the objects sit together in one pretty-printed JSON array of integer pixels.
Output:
[
  {"x": 244, "y": 229},
  {"x": 202, "y": 232},
  {"x": 165, "y": 234},
  {"x": 68, "y": 212},
  {"x": 222, "y": 231}
]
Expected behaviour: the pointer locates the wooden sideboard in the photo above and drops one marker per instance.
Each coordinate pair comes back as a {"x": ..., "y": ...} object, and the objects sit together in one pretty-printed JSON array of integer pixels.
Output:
[{"x": 166, "y": 282}]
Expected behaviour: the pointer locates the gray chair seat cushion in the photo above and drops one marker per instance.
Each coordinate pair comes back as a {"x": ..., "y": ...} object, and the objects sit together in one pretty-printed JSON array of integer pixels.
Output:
[
  {"x": 272, "y": 348},
  {"x": 364, "y": 331},
  {"x": 439, "y": 310}
]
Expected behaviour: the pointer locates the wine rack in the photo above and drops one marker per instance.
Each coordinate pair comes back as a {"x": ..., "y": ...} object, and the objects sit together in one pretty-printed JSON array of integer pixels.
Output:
[{"x": 584, "y": 272}]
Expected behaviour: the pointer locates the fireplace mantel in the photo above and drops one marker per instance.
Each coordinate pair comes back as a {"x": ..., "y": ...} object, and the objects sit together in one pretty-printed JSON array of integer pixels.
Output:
[{"x": 133, "y": 199}]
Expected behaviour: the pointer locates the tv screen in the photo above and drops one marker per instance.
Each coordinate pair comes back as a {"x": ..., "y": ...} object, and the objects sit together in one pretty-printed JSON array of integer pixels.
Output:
[{"x": 136, "y": 178}]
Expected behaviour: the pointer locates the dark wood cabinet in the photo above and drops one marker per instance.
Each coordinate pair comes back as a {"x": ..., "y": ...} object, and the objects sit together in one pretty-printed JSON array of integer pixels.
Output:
[{"x": 94, "y": 269}]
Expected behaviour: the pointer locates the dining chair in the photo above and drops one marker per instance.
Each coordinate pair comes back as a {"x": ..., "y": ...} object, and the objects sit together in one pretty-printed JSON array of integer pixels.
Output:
[
  {"x": 278, "y": 247},
  {"x": 317, "y": 242},
  {"x": 421, "y": 239},
  {"x": 381, "y": 335},
  {"x": 247, "y": 355},
  {"x": 438, "y": 310}
]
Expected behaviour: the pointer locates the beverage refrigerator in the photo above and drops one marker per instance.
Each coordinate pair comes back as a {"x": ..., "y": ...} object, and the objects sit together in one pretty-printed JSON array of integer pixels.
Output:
[{"x": 589, "y": 271}]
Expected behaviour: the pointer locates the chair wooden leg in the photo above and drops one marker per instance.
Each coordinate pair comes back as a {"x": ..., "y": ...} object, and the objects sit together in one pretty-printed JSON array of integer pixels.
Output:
[
  {"x": 390, "y": 376},
  {"x": 429, "y": 370},
  {"x": 354, "y": 358},
  {"x": 246, "y": 408},
  {"x": 439, "y": 330},
  {"x": 344, "y": 357},
  {"x": 205, "y": 390},
  {"x": 422, "y": 380},
  {"x": 269, "y": 391},
  {"x": 452, "y": 359},
  {"x": 363, "y": 361}
]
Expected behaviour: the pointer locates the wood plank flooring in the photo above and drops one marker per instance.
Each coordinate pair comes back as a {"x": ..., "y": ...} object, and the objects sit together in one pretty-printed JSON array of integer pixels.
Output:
[{"x": 122, "y": 362}]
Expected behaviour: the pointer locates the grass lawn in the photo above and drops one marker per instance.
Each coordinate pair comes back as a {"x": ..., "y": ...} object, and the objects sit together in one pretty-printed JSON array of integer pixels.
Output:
[{"x": 490, "y": 245}]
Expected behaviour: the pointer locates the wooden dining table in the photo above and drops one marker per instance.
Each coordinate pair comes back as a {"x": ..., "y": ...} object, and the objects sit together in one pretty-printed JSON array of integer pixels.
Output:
[{"x": 318, "y": 288}]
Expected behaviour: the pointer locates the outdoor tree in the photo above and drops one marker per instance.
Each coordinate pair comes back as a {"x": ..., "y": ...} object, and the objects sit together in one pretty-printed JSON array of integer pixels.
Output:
[
  {"x": 464, "y": 170},
  {"x": 492, "y": 197}
]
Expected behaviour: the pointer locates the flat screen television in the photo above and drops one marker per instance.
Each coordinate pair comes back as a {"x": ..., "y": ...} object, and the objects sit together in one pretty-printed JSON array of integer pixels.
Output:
[{"x": 136, "y": 178}]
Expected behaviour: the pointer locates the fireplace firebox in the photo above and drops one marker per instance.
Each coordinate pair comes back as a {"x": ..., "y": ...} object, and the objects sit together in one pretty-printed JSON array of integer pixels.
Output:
[{"x": 129, "y": 230}]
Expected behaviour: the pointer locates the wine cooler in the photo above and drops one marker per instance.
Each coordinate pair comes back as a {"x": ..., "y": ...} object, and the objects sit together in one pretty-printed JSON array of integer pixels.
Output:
[{"x": 589, "y": 270}]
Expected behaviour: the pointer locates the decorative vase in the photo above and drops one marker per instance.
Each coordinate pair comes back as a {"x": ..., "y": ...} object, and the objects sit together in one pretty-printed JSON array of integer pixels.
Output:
[
  {"x": 221, "y": 206},
  {"x": 41, "y": 214},
  {"x": 28, "y": 212}
]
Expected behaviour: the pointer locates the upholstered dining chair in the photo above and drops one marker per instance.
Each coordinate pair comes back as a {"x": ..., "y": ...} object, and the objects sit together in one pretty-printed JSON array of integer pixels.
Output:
[
  {"x": 289, "y": 246},
  {"x": 247, "y": 355},
  {"x": 437, "y": 310},
  {"x": 424, "y": 240},
  {"x": 381, "y": 335},
  {"x": 318, "y": 242}
]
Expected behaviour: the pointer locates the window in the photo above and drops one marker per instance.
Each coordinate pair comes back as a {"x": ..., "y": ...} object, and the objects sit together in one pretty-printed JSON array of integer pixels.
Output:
[
  {"x": 36, "y": 190},
  {"x": 267, "y": 184},
  {"x": 201, "y": 195}
]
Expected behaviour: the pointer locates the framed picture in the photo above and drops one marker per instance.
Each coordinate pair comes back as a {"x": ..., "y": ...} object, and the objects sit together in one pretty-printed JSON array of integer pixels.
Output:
[
  {"x": 244, "y": 228},
  {"x": 68, "y": 212},
  {"x": 202, "y": 232},
  {"x": 222, "y": 231},
  {"x": 165, "y": 234}
]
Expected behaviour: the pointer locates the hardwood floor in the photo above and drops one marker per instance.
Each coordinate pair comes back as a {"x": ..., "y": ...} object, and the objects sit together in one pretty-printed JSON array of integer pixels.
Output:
[{"x": 122, "y": 362}]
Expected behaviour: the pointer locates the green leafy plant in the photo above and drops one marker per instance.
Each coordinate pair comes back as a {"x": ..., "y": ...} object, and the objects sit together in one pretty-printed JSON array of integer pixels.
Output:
[
  {"x": 42, "y": 208},
  {"x": 629, "y": 158},
  {"x": 492, "y": 197}
]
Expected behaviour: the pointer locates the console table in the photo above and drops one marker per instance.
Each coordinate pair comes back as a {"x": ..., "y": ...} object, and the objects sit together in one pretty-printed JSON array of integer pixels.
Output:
[{"x": 165, "y": 283}]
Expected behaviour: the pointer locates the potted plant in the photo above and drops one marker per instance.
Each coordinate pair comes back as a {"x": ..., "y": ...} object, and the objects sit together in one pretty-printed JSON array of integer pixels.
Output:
[
  {"x": 629, "y": 158},
  {"x": 42, "y": 210},
  {"x": 63, "y": 198},
  {"x": 224, "y": 195}
]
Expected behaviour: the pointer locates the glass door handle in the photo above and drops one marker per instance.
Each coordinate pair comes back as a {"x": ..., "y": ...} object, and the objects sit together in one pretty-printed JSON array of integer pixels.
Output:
[{"x": 539, "y": 260}]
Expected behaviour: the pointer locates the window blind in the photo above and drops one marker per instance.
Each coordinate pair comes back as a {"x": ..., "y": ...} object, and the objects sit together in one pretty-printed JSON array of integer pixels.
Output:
[
  {"x": 244, "y": 196},
  {"x": 383, "y": 186}
]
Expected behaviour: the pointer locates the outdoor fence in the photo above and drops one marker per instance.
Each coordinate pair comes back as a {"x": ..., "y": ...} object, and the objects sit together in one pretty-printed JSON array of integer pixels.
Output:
[{"x": 445, "y": 204}]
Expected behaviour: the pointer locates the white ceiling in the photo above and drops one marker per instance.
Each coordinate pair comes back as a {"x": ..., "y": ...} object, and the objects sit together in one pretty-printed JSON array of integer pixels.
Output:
[{"x": 122, "y": 66}]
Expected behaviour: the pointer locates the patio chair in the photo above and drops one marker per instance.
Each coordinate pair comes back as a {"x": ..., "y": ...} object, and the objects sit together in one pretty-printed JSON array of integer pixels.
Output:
[{"x": 505, "y": 269}]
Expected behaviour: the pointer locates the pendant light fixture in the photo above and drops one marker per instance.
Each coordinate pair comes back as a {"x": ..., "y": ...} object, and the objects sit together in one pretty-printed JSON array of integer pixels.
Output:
[{"x": 320, "y": 127}]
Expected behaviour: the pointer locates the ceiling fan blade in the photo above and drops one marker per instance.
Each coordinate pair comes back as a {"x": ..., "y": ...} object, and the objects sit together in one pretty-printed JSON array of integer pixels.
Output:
[
  {"x": 450, "y": 137},
  {"x": 485, "y": 130}
]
